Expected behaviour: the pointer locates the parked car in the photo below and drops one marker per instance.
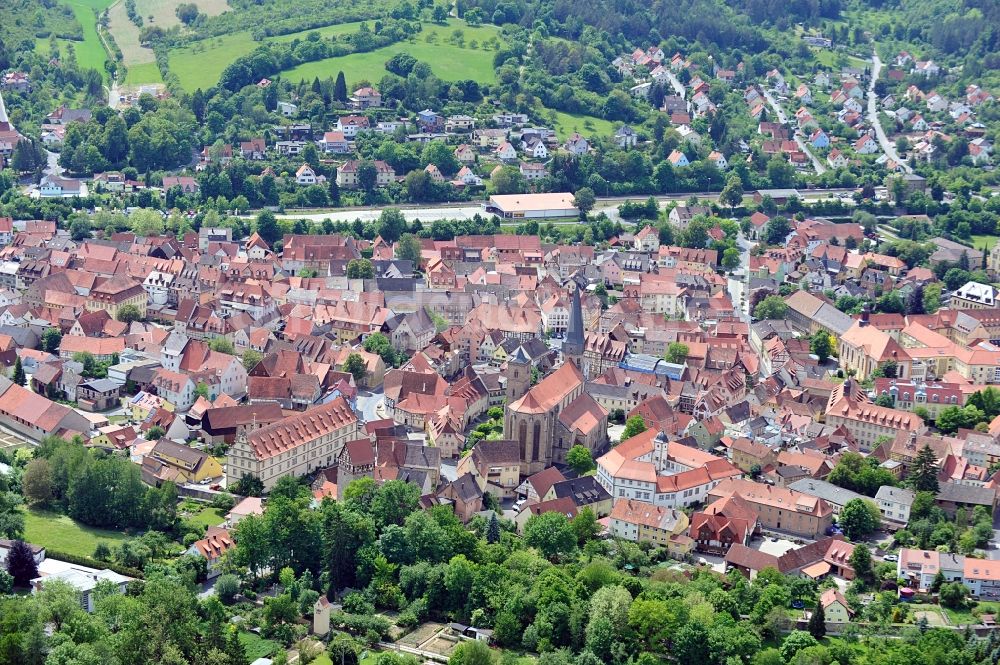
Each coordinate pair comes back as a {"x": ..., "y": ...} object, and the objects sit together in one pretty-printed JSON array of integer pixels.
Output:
[{"x": 892, "y": 558}]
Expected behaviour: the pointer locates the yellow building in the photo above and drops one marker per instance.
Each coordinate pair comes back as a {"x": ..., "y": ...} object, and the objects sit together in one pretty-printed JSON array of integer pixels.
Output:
[
  {"x": 745, "y": 454},
  {"x": 115, "y": 293},
  {"x": 642, "y": 522},
  {"x": 186, "y": 463},
  {"x": 140, "y": 406},
  {"x": 864, "y": 347}
]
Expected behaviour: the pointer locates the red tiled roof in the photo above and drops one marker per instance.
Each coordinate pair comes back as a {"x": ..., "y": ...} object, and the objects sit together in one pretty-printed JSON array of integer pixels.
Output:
[{"x": 301, "y": 428}]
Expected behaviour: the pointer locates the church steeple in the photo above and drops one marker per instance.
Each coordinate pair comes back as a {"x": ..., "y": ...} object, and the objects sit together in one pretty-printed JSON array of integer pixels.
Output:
[{"x": 572, "y": 348}]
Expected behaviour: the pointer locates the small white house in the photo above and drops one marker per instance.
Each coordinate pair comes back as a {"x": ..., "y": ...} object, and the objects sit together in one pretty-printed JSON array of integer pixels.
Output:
[{"x": 305, "y": 175}]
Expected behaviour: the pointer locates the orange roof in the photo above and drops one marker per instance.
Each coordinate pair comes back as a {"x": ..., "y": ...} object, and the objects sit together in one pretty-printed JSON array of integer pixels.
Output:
[
  {"x": 550, "y": 391},
  {"x": 582, "y": 414},
  {"x": 98, "y": 346}
]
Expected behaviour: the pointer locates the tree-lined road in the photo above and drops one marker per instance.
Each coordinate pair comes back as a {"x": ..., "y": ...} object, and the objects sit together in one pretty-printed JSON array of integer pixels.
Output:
[
  {"x": 468, "y": 209},
  {"x": 887, "y": 146}
]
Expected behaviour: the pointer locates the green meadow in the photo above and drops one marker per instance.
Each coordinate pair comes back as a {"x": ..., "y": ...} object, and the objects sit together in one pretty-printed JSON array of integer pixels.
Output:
[
  {"x": 449, "y": 61},
  {"x": 90, "y": 53}
]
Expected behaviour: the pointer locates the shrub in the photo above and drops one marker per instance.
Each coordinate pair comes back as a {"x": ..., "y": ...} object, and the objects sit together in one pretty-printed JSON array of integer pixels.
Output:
[
  {"x": 226, "y": 587},
  {"x": 93, "y": 563}
]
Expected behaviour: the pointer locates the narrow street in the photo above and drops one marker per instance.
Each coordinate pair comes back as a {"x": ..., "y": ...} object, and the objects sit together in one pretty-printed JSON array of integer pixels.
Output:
[
  {"x": 677, "y": 85},
  {"x": 817, "y": 164},
  {"x": 736, "y": 282},
  {"x": 783, "y": 119},
  {"x": 778, "y": 111},
  {"x": 887, "y": 146}
]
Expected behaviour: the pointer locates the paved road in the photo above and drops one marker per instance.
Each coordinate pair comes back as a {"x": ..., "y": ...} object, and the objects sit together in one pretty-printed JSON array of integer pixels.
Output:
[
  {"x": 113, "y": 94},
  {"x": 677, "y": 85},
  {"x": 52, "y": 164},
  {"x": 783, "y": 119},
  {"x": 778, "y": 111},
  {"x": 370, "y": 405},
  {"x": 804, "y": 147},
  {"x": 737, "y": 283},
  {"x": 887, "y": 146},
  {"x": 468, "y": 210}
]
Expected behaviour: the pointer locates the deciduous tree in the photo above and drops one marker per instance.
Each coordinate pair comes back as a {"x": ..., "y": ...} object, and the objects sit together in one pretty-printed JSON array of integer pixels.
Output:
[{"x": 634, "y": 425}]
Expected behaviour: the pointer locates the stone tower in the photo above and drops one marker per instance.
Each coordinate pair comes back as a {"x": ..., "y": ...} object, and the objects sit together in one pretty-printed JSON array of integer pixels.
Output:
[
  {"x": 573, "y": 347},
  {"x": 518, "y": 374}
]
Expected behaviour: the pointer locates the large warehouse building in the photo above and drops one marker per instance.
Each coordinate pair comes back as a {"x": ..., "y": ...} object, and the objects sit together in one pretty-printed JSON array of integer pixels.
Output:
[{"x": 532, "y": 206}]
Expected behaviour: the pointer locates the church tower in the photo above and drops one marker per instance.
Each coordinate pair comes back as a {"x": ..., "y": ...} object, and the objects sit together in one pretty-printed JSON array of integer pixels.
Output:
[
  {"x": 573, "y": 347},
  {"x": 518, "y": 374}
]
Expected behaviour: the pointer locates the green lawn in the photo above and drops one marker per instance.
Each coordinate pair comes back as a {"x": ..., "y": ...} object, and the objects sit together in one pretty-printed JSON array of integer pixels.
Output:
[
  {"x": 146, "y": 72},
  {"x": 989, "y": 241},
  {"x": 322, "y": 659},
  {"x": 329, "y": 31},
  {"x": 207, "y": 517},
  {"x": 829, "y": 58},
  {"x": 200, "y": 65},
  {"x": 965, "y": 616},
  {"x": 447, "y": 60},
  {"x": 567, "y": 123},
  {"x": 90, "y": 53},
  {"x": 59, "y": 532},
  {"x": 256, "y": 646}
]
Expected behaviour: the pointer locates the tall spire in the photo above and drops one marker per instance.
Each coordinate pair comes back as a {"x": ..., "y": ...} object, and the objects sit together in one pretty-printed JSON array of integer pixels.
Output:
[
  {"x": 4, "y": 120},
  {"x": 573, "y": 346}
]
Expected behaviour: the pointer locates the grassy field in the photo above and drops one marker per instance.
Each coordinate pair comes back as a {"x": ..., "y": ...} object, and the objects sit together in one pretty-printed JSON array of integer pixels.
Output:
[
  {"x": 90, "y": 52},
  {"x": 164, "y": 12},
  {"x": 829, "y": 58},
  {"x": 567, "y": 123},
  {"x": 447, "y": 60},
  {"x": 147, "y": 72},
  {"x": 154, "y": 13},
  {"x": 329, "y": 31},
  {"x": 126, "y": 34},
  {"x": 988, "y": 241},
  {"x": 61, "y": 533},
  {"x": 201, "y": 64}
]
